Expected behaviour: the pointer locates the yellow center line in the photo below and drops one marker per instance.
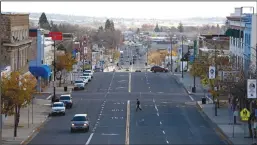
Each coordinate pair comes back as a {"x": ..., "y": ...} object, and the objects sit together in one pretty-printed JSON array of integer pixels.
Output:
[{"x": 127, "y": 123}]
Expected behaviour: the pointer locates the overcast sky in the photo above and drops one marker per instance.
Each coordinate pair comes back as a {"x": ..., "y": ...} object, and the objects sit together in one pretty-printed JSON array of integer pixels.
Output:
[{"x": 158, "y": 10}]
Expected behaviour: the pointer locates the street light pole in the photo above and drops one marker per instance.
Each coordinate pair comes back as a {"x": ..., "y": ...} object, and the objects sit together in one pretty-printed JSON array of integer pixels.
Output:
[
  {"x": 171, "y": 60},
  {"x": 182, "y": 57},
  {"x": 54, "y": 96},
  {"x": 215, "y": 88}
]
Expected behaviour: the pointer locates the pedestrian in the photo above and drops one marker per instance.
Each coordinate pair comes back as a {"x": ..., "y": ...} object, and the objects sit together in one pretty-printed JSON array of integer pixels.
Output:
[{"x": 138, "y": 105}]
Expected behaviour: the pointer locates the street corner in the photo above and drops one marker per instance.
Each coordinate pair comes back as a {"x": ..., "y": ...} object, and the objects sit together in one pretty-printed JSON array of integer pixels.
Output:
[
  {"x": 45, "y": 95},
  {"x": 35, "y": 131},
  {"x": 199, "y": 105}
]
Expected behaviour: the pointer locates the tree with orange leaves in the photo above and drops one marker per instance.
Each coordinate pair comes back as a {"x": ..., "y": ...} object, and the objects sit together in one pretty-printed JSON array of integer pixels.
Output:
[
  {"x": 64, "y": 62},
  {"x": 17, "y": 93}
]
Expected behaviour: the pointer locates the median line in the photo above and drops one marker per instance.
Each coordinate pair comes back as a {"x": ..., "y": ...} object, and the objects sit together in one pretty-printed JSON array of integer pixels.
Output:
[
  {"x": 127, "y": 123},
  {"x": 129, "y": 83}
]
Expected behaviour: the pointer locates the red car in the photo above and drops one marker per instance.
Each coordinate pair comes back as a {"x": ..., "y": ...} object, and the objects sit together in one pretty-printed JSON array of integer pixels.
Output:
[{"x": 158, "y": 69}]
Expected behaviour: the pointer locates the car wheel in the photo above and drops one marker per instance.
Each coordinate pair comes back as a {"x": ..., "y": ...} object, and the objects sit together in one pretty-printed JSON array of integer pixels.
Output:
[
  {"x": 71, "y": 130},
  {"x": 83, "y": 88},
  {"x": 63, "y": 114}
]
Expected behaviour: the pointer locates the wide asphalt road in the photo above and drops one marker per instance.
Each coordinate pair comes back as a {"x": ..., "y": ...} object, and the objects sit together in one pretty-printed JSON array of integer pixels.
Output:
[{"x": 169, "y": 116}]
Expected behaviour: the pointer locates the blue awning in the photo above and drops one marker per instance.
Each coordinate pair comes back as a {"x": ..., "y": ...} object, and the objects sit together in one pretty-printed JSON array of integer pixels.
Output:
[{"x": 43, "y": 71}]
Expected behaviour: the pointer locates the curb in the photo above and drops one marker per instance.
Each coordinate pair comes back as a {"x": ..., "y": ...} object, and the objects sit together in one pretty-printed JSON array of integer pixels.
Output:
[
  {"x": 216, "y": 128},
  {"x": 50, "y": 96},
  {"x": 178, "y": 82},
  {"x": 35, "y": 131}
]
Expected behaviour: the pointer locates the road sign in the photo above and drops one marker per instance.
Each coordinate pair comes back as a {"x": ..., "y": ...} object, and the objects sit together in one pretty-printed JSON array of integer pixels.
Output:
[
  {"x": 56, "y": 35},
  {"x": 244, "y": 114},
  {"x": 191, "y": 58},
  {"x": 251, "y": 88},
  {"x": 211, "y": 72}
]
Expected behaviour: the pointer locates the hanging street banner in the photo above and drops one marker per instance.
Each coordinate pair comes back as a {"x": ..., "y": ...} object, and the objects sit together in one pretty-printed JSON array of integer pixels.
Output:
[
  {"x": 212, "y": 72},
  {"x": 251, "y": 88}
]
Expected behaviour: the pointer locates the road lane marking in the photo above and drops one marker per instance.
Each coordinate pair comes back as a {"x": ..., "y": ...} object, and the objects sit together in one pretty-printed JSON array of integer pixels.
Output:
[
  {"x": 158, "y": 114},
  {"x": 127, "y": 123},
  {"x": 89, "y": 139},
  {"x": 191, "y": 97},
  {"x": 111, "y": 134},
  {"x": 160, "y": 123},
  {"x": 163, "y": 132},
  {"x": 129, "y": 85},
  {"x": 167, "y": 142}
]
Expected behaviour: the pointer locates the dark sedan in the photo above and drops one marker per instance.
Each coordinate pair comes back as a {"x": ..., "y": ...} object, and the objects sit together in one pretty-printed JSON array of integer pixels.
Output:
[{"x": 158, "y": 69}]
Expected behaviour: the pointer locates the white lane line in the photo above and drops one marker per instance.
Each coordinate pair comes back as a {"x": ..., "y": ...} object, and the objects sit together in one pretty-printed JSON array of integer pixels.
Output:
[
  {"x": 156, "y": 108},
  {"x": 129, "y": 83},
  {"x": 127, "y": 123},
  {"x": 158, "y": 114},
  {"x": 191, "y": 97},
  {"x": 89, "y": 139},
  {"x": 163, "y": 132},
  {"x": 160, "y": 123},
  {"x": 167, "y": 142},
  {"x": 49, "y": 97}
]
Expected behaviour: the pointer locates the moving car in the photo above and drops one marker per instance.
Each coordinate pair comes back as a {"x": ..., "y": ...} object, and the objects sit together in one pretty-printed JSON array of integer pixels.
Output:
[
  {"x": 80, "y": 122},
  {"x": 90, "y": 72},
  {"x": 67, "y": 100},
  {"x": 58, "y": 108},
  {"x": 158, "y": 69},
  {"x": 79, "y": 84},
  {"x": 87, "y": 75}
]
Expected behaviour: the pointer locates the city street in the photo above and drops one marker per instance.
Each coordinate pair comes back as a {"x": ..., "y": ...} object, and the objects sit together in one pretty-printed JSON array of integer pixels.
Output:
[{"x": 168, "y": 115}]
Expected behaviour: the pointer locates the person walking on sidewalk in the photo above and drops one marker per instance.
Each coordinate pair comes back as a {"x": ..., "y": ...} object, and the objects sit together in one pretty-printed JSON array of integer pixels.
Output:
[{"x": 138, "y": 105}]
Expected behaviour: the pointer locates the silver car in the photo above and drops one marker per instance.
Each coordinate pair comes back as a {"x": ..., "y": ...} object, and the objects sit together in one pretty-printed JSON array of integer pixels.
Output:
[{"x": 80, "y": 122}]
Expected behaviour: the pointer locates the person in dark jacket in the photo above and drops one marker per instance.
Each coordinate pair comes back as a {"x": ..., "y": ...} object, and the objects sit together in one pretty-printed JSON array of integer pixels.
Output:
[{"x": 138, "y": 105}]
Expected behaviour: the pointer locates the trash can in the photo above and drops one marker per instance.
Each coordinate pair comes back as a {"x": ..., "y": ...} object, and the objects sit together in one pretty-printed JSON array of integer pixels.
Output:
[
  {"x": 65, "y": 89},
  {"x": 203, "y": 100}
]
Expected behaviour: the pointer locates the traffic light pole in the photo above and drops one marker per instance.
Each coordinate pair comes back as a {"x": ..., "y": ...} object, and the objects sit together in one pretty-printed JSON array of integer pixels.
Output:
[{"x": 54, "y": 96}]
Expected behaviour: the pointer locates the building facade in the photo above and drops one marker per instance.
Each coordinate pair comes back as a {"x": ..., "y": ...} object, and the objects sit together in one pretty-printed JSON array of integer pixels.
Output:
[
  {"x": 236, "y": 33},
  {"x": 15, "y": 47},
  {"x": 253, "y": 42}
]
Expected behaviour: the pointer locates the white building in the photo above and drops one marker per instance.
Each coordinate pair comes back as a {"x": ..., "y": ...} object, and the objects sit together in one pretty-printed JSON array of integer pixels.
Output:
[
  {"x": 253, "y": 40},
  {"x": 236, "y": 32},
  {"x": 48, "y": 51}
]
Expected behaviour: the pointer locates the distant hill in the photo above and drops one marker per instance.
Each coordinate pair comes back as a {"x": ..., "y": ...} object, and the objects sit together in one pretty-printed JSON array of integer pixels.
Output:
[{"x": 86, "y": 20}]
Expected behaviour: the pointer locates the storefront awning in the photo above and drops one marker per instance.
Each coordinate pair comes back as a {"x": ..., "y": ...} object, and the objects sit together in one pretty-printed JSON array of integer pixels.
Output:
[
  {"x": 234, "y": 33},
  {"x": 43, "y": 71}
]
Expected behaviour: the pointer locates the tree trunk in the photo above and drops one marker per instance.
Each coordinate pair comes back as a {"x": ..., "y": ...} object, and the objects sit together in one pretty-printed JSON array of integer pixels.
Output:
[
  {"x": 60, "y": 82},
  {"x": 16, "y": 119}
]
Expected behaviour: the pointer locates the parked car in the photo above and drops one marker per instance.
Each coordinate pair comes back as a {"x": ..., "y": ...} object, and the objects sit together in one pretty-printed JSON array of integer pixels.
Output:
[
  {"x": 67, "y": 100},
  {"x": 79, "y": 84},
  {"x": 87, "y": 75},
  {"x": 58, "y": 108},
  {"x": 158, "y": 69},
  {"x": 90, "y": 72}
]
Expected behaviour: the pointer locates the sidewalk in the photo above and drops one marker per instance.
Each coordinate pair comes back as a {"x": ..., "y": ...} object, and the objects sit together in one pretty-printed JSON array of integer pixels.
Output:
[
  {"x": 188, "y": 82},
  {"x": 222, "y": 124},
  {"x": 27, "y": 129}
]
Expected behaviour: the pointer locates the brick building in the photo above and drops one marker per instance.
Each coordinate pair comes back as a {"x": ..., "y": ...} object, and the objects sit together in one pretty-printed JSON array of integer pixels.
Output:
[{"x": 15, "y": 43}]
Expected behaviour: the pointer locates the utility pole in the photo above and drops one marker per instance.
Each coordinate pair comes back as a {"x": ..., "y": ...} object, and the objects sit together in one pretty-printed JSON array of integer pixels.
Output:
[
  {"x": 195, "y": 49},
  {"x": 54, "y": 97},
  {"x": 182, "y": 57},
  {"x": 215, "y": 83},
  {"x": 171, "y": 60},
  {"x": 1, "y": 115}
]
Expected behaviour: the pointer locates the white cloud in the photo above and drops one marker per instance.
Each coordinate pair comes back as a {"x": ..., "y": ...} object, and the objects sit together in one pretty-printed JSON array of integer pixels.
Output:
[{"x": 130, "y": 9}]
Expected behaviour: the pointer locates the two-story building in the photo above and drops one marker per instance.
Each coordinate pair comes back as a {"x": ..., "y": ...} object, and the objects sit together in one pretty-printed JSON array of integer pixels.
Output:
[
  {"x": 15, "y": 46},
  {"x": 40, "y": 65}
]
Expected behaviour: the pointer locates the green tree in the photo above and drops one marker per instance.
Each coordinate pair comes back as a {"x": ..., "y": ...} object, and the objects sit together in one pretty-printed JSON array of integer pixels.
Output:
[
  {"x": 180, "y": 27},
  {"x": 54, "y": 27},
  {"x": 43, "y": 22},
  {"x": 138, "y": 31},
  {"x": 156, "y": 29},
  {"x": 107, "y": 24}
]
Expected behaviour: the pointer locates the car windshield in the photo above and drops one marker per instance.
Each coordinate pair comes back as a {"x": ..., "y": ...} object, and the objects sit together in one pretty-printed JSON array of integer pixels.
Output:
[
  {"x": 78, "y": 81},
  {"x": 87, "y": 71},
  {"x": 65, "y": 98},
  {"x": 57, "y": 105},
  {"x": 85, "y": 74},
  {"x": 79, "y": 118}
]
